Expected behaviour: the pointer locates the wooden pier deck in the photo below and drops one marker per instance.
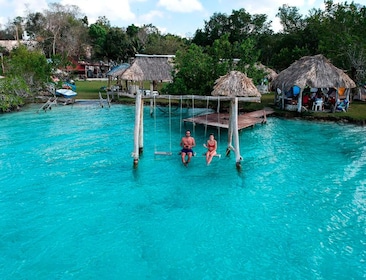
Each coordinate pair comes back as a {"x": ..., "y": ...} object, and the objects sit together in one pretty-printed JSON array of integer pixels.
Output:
[{"x": 222, "y": 120}]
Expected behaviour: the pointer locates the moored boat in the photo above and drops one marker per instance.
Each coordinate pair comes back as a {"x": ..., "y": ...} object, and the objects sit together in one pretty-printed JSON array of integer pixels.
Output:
[{"x": 67, "y": 93}]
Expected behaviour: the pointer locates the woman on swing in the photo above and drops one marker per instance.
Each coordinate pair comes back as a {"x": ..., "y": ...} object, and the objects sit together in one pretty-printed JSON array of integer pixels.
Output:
[{"x": 211, "y": 146}]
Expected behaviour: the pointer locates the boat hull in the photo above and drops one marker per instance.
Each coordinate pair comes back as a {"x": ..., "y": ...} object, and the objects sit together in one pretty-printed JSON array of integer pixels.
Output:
[{"x": 67, "y": 93}]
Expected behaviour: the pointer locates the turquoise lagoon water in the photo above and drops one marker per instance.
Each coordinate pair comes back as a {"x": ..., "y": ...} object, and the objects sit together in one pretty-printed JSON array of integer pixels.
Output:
[{"x": 73, "y": 207}]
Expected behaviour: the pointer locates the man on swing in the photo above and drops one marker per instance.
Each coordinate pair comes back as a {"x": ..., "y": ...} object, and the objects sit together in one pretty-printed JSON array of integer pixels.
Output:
[{"x": 187, "y": 144}]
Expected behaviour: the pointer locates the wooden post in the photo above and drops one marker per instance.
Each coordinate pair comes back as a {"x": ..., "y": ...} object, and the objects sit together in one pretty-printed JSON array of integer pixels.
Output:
[
  {"x": 151, "y": 107},
  {"x": 299, "y": 101},
  {"x": 152, "y": 100},
  {"x": 336, "y": 101},
  {"x": 229, "y": 132},
  {"x": 141, "y": 134},
  {"x": 137, "y": 129},
  {"x": 151, "y": 87},
  {"x": 234, "y": 121}
]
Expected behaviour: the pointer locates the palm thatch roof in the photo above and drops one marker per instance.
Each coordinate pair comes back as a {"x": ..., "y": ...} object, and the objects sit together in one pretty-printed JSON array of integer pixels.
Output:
[
  {"x": 118, "y": 70},
  {"x": 271, "y": 74},
  {"x": 235, "y": 84},
  {"x": 313, "y": 71},
  {"x": 150, "y": 68}
]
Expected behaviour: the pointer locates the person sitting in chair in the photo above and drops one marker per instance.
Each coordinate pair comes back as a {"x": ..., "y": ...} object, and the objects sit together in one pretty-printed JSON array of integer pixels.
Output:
[{"x": 342, "y": 105}]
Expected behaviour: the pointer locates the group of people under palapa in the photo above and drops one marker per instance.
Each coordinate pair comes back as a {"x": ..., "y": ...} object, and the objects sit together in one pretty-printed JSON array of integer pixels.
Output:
[
  {"x": 188, "y": 143},
  {"x": 326, "y": 99}
]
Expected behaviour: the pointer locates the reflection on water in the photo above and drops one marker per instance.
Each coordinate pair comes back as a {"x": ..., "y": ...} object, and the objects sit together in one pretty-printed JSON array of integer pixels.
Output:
[{"x": 73, "y": 206}]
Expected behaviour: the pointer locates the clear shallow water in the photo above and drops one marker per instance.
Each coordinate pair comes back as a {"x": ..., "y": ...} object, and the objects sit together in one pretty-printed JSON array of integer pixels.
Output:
[{"x": 72, "y": 206}]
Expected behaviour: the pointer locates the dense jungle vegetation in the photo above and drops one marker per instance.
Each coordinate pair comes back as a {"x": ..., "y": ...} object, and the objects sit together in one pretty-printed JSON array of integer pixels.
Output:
[{"x": 61, "y": 35}]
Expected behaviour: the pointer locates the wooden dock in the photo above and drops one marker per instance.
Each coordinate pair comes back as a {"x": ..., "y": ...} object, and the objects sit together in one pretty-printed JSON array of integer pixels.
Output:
[{"x": 222, "y": 120}]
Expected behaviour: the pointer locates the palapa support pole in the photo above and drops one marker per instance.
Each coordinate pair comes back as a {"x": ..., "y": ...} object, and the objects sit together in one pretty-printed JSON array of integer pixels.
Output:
[
  {"x": 283, "y": 97},
  {"x": 151, "y": 100},
  {"x": 234, "y": 121},
  {"x": 151, "y": 107},
  {"x": 141, "y": 134},
  {"x": 137, "y": 129},
  {"x": 151, "y": 87},
  {"x": 299, "y": 101},
  {"x": 229, "y": 133}
]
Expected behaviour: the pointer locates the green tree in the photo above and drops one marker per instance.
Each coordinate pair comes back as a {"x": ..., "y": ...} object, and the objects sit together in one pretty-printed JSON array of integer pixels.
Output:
[
  {"x": 290, "y": 18},
  {"x": 59, "y": 30},
  {"x": 27, "y": 72},
  {"x": 116, "y": 45},
  {"x": 164, "y": 44},
  {"x": 193, "y": 73},
  {"x": 343, "y": 33},
  {"x": 30, "y": 66},
  {"x": 98, "y": 35}
]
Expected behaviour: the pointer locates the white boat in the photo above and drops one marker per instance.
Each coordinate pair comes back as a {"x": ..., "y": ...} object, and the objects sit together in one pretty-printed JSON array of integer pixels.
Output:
[{"x": 67, "y": 93}]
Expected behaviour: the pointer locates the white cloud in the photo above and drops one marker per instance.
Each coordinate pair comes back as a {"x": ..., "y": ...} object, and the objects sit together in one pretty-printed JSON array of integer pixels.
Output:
[
  {"x": 115, "y": 10},
  {"x": 151, "y": 16},
  {"x": 181, "y": 6}
]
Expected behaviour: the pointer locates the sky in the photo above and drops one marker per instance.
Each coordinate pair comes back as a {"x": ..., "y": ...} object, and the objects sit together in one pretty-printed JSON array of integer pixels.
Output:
[{"x": 179, "y": 17}]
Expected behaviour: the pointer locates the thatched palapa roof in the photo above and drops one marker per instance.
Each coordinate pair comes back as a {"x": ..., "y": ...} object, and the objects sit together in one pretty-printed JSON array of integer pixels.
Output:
[
  {"x": 271, "y": 74},
  {"x": 150, "y": 68},
  {"x": 313, "y": 71},
  {"x": 234, "y": 84}
]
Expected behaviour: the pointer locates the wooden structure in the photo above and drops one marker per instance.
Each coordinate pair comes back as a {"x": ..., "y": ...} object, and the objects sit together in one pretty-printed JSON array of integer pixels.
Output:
[
  {"x": 314, "y": 72},
  {"x": 234, "y": 86},
  {"x": 153, "y": 68},
  {"x": 222, "y": 120},
  {"x": 116, "y": 73}
]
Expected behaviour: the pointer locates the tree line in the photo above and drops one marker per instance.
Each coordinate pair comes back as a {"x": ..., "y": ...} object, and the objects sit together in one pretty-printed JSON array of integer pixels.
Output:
[{"x": 226, "y": 42}]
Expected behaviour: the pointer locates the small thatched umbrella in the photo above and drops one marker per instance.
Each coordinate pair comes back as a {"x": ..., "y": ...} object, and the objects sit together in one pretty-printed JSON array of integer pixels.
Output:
[
  {"x": 235, "y": 84},
  {"x": 150, "y": 68},
  {"x": 313, "y": 71},
  {"x": 146, "y": 68}
]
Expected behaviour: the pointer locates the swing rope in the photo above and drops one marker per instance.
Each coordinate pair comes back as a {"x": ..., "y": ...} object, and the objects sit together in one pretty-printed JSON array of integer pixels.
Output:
[
  {"x": 206, "y": 117},
  {"x": 170, "y": 125},
  {"x": 154, "y": 112},
  {"x": 169, "y": 153},
  {"x": 218, "y": 126},
  {"x": 193, "y": 116},
  {"x": 218, "y": 118},
  {"x": 181, "y": 115}
]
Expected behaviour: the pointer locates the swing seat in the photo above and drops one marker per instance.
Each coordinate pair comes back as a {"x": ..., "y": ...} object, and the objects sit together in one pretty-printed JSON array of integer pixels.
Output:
[
  {"x": 163, "y": 153},
  {"x": 194, "y": 153},
  {"x": 217, "y": 155}
]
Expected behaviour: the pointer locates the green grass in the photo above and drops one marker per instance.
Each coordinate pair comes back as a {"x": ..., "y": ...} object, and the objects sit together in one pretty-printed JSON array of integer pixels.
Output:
[{"x": 89, "y": 89}]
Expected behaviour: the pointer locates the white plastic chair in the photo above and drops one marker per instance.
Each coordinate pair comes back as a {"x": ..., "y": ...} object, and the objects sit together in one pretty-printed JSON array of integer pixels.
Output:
[{"x": 318, "y": 105}]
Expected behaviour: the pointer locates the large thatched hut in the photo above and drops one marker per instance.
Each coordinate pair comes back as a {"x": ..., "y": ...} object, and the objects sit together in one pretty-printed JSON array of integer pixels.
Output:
[
  {"x": 313, "y": 72},
  {"x": 153, "y": 68}
]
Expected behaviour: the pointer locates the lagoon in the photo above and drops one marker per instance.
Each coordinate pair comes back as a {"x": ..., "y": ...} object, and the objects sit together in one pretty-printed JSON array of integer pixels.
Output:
[{"x": 73, "y": 207}]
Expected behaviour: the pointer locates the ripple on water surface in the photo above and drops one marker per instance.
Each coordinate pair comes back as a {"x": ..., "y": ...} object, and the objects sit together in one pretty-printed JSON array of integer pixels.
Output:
[{"x": 72, "y": 206}]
